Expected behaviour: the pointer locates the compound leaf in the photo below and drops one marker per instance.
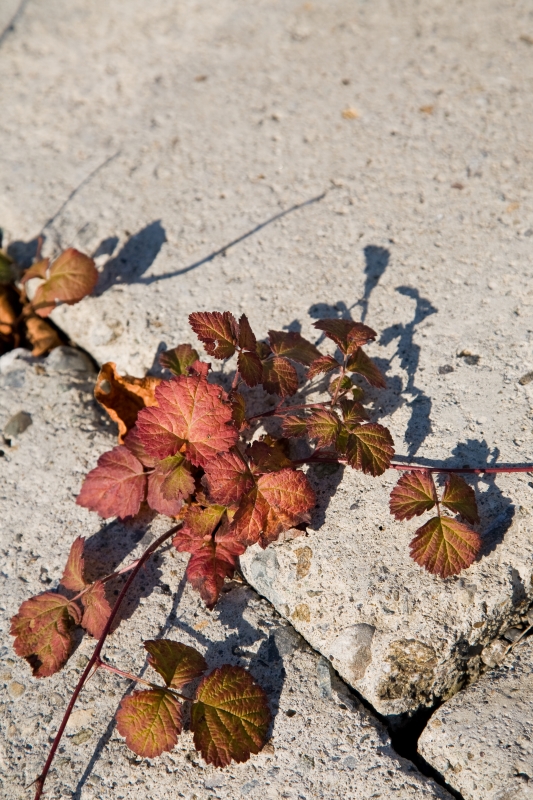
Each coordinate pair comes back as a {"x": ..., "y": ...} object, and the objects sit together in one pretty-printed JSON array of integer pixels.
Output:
[
  {"x": 413, "y": 494},
  {"x": 323, "y": 425},
  {"x": 250, "y": 368},
  {"x": 230, "y": 718},
  {"x": 150, "y": 721},
  {"x": 292, "y": 345},
  {"x": 218, "y": 331},
  {"x": 190, "y": 411},
  {"x": 73, "y": 572},
  {"x": 370, "y": 448},
  {"x": 279, "y": 377},
  {"x": 124, "y": 396},
  {"x": 43, "y": 631},
  {"x": 227, "y": 478},
  {"x": 346, "y": 334},
  {"x": 177, "y": 663},
  {"x": 321, "y": 365},
  {"x": 179, "y": 359},
  {"x": 116, "y": 487},
  {"x": 363, "y": 365},
  {"x": 71, "y": 277},
  {"x": 96, "y": 609},
  {"x": 247, "y": 338},
  {"x": 460, "y": 498},
  {"x": 445, "y": 546},
  {"x": 169, "y": 484}
]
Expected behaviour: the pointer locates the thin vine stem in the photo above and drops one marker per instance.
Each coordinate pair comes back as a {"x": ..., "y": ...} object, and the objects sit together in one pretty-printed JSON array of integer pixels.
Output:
[
  {"x": 96, "y": 655},
  {"x": 316, "y": 458},
  {"x": 131, "y": 677}
]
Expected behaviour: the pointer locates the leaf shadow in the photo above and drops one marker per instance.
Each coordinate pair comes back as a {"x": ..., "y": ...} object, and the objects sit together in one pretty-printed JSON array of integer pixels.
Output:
[{"x": 133, "y": 259}]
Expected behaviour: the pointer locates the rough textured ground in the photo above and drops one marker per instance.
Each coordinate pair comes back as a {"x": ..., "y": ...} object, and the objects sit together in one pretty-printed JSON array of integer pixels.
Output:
[{"x": 323, "y": 743}]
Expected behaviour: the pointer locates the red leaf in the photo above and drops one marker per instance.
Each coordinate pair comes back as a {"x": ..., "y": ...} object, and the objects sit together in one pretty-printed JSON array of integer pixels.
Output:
[
  {"x": 42, "y": 628},
  {"x": 247, "y": 338},
  {"x": 413, "y": 494},
  {"x": 169, "y": 484},
  {"x": 218, "y": 331},
  {"x": 444, "y": 546},
  {"x": 150, "y": 721},
  {"x": 116, "y": 487},
  {"x": 323, "y": 425},
  {"x": 177, "y": 663},
  {"x": 228, "y": 478},
  {"x": 352, "y": 413},
  {"x": 364, "y": 366},
  {"x": 192, "y": 411},
  {"x": 135, "y": 446},
  {"x": 321, "y": 365},
  {"x": 250, "y": 367},
  {"x": 73, "y": 572},
  {"x": 211, "y": 564},
  {"x": 238, "y": 409},
  {"x": 291, "y": 345},
  {"x": 370, "y": 448},
  {"x": 294, "y": 426},
  {"x": 97, "y": 609},
  {"x": 346, "y": 334},
  {"x": 179, "y": 359},
  {"x": 37, "y": 270},
  {"x": 279, "y": 501},
  {"x": 460, "y": 498},
  {"x": 279, "y": 377},
  {"x": 339, "y": 386},
  {"x": 269, "y": 454},
  {"x": 230, "y": 718},
  {"x": 198, "y": 527},
  {"x": 200, "y": 368},
  {"x": 71, "y": 277}
]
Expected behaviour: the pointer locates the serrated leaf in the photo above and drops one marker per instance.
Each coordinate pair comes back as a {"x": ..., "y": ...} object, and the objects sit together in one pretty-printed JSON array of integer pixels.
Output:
[
  {"x": 218, "y": 332},
  {"x": 445, "y": 546},
  {"x": 348, "y": 335},
  {"x": 359, "y": 362},
  {"x": 250, "y": 368},
  {"x": 247, "y": 338},
  {"x": 71, "y": 277},
  {"x": 135, "y": 446},
  {"x": 268, "y": 454},
  {"x": 339, "y": 386},
  {"x": 370, "y": 448},
  {"x": 352, "y": 413},
  {"x": 124, "y": 396},
  {"x": 294, "y": 426},
  {"x": 116, "y": 487},
  {"x": 190, "y": 412},
  {"x": 150, "y": 721},
  {"x": 292, "y": 345},
  {"x": 279, "y": 377},
  {"x": 413, "y": 494},
  {"x": 323, "y": 425},
  {"x": 230, "y": 718},
  {"x": 322, "y": 365},
  {"x": 460, "y": 498},
  {"x": 276, "y": 503},
  {"x": 169, "y": 485},
  {"x": 73, "y": 573},
  {"x": 177, "y": 663},
  {"x": 198, "y": 527},
  {"x": 212, "y": 563},
  {"x": 179, "y": 359},
  {"x": 96, "y": 609},
  {"x": 238, "y": 409},
  {"x": 227, "y": 478},
  {"x": 200, "y": 368},
  {"x": 43, "y": 631}
]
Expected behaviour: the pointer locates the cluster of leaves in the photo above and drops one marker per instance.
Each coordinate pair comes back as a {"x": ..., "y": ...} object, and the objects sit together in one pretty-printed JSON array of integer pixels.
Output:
[{"x": 67, "y": 279}]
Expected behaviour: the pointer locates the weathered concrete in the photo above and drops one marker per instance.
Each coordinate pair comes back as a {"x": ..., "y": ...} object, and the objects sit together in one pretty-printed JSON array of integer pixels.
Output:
[
  {"x": 480, "y": 741},
  {"x": 163, "y": 134},
  {"x": 323, "y": 742}
]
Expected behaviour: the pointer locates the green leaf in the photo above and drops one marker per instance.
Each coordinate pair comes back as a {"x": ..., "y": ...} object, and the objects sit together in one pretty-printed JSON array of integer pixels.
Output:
[
  {"x": 364, "y": 366},
  {"x": 460, "y": 498},
  {"x": 340, "y": 386},
  {"x": 413, "y": 494},
  {"x": 294, "y": 426},
  {"x": 370, "y": 448},
  {"x": 292, "y": 345},
  {"x": 6, "y": 271},
  {"x": 150, "y": 721},
  {"x": 445, "y": 546},
  {"x": 177, "y": 663},
  {"x": 230, "y": 718},
  {"x": 179, "y": 359}
]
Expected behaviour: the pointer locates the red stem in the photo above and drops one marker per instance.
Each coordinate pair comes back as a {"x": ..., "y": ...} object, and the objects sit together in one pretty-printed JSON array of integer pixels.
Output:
[
  {"x": 107, "y": 578},
  {"x": 314, "y": 458},
  {"x": 132, "y": 677},
  {"x": 95, "y": 658}
]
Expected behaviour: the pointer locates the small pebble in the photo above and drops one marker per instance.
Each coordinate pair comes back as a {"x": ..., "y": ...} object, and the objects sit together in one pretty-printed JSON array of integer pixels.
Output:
[{"x": 17, "y": 425}]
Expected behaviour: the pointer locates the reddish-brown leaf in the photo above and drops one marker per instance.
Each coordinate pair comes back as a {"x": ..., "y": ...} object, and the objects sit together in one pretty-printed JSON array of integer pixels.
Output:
[
  {"x": 73, "y": 572},
  {"x": 339, "y": 386},
  {"x": 276, "y": 503},
  {"x": 177, "y": 663},
  {"x": 116, "y": 487},
  {"x": 413, "y": 494},
  {"x": 363, "y": 365},
  {"x": 169, "y": 484},
  {"x": 212, "y": 563},
  {"x": 43, "y": 631},
  {"x": 370, "y": 448},
  {"x": 460, "y": 498},
  {"x": 292, "y": 345},
  {"x": 135, "y": 446},
  {"x": 444, "y": 546},
  {"x": 198, "y": 527},
  {"x": 238, "y": 409},
  {"x": 279, "y": 377},
  {"x": 40, "y": 335},
  {"x": 268, "y": 454},
  {"x": 250, "y": 368},
  {"x": 96, "y": 609},
  {"x": 346, "y": 334},
  {"x": 352, "y": 413},
  {"x": 247, "y": 338},
  {"x": 124, "y": 397},
  {"x": 230, "y": 718},
  {"x": 150, "y": 721},
  {"x": 323, "y": 425},
  {"x": 71, "y": 277},
  {"x": 294, "y": 426},
  {"x": 322, "y": 365},
  {"x": 218, "y": 331},
  {"x": 179, "y": 359},
  {"x": 190, "y": 411},
  {"x": 227, "y": 478},
  {"x": 37, "y": 270}
]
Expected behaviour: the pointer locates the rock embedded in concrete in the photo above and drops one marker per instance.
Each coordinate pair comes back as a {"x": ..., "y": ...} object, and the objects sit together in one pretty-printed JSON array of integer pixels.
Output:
[
  {"x": 480, "y": 740},
  {"x": 420, "y": 224},
  {"x": 323, "y": 743}
]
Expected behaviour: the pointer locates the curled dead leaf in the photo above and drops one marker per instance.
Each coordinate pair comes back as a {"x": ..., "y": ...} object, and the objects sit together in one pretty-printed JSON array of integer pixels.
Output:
[{"x": 124, "y": 396}]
